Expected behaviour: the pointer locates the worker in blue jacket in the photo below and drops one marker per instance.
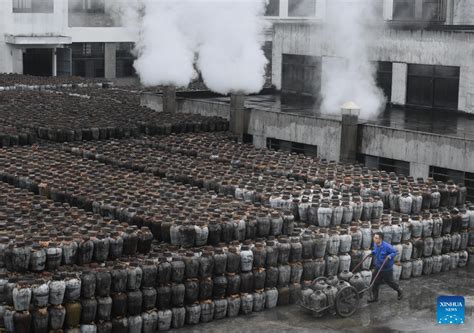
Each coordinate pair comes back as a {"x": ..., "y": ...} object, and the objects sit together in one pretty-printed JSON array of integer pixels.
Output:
[{"x": 383, "y": 253}]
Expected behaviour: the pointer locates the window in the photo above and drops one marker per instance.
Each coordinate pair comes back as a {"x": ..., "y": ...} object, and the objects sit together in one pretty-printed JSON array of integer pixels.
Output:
[
  {"x": 273, "y": 8},
  {"x": 301, "y": 75},
  {"x": 124, "y": 60},
  {"x": 433, "y": 86},
  {"x": 301, "y": 8},
  {"x": 33, "y": 6},
  {"x": 87, "y": 6},
  {"x": 88, "y": 59},
  {"x": 90, "y": 13},
  {"x": 404, "y": 9},
  {"x": 384, "y": 78},
  {"x": 430, "y": 10},
  {"x": 292, "y": 147},
  {"x": 458, "y": 177},
  {"x": 247, "y": 138},
  {"x": 386, "y": 164}
]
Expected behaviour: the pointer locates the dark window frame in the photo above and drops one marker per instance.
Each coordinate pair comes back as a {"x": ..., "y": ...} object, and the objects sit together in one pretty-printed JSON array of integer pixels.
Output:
[
  {"x": 436, "y": 75},
  {"x": 124, "y": 55},
  {"x": 301, "y": 75},
  {"x": 86, "y": 6},
  {"x": 385, "y": 73},
  {"x": 273, "y": 8},
  {"x": 295, "y": 10},
  {"x": 404, "y": 14},
  {"x": 409, "y": 14},
  {"x": 83, "y": 53},
  {"x": 292, "y": 147},
  {"x": 36, "y": 6},
  {"x": 386, "y": 164}
]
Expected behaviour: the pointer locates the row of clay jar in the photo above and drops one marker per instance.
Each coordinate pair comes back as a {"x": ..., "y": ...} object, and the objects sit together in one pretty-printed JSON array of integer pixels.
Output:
[
  {"x": 62, "y": 117},
  {"x": 12, "y": 136},
  {"x": 255, "y": 185},
  {"x": 29, "y": 237},
  {"x": 89, "y": 312},
  {"x": 214, "y": 146},
  {"x": 324, "y": 214},
  {"x": 68, "y": 318},
  {"x": 336, "y": 241},
  {"x": 134, "y": 198},
  {"x": 196, "y": 276}
]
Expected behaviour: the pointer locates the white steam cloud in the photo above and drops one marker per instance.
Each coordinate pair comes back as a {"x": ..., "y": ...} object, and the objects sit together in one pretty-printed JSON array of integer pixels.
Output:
[
  {"x": 221, "y": 38},
  {"x": 352, "y": 76}
]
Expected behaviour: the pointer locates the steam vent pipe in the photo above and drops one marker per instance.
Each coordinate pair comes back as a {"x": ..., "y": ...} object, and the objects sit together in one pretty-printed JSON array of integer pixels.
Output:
[
  {"x": 350, "y": 116},
  {"x": 169, "y": 99},
  {"x": 237, "y": 110}
]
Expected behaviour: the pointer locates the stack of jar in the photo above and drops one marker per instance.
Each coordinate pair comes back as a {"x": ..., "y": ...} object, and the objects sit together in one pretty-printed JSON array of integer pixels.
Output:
[
  {"x": 430, "y": 243},
  {"x": 138, "y": 199},
  {"x": 213, "y": 161},
  {"x": 11, "y": 81},
  {"x": 168, "y": 288},
  {"x": 12, "y": 136},
  {"x": 64, "y": 117},
  {"x": 171, "y": 287},
  {"x": 30, "y": 241}
]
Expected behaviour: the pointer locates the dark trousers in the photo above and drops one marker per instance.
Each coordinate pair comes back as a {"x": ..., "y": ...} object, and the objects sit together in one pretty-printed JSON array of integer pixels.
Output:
[{"x": 384, "y": 277}]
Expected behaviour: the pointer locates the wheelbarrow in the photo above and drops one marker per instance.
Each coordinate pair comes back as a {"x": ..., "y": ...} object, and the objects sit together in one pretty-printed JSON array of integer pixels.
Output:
[{"x": 347, "y": 299}]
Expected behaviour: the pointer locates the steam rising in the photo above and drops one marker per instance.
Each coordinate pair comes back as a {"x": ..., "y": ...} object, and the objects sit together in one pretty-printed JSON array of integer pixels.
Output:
[
  {"x": 351, "y": 77},
  {"x": 221, "y": 38}
]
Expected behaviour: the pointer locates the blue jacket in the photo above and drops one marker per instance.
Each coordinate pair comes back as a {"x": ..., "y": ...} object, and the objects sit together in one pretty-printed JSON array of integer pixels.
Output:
[{"x": 381, "y": 252}]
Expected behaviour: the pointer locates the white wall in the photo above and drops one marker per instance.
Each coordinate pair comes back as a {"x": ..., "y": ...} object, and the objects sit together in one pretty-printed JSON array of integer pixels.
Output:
[
  {"x": 463, "y": 11},
  {"x": 394, "y": 45},
  {"x": 83, "y": 35},
  {"x": 36, "y": 23}
]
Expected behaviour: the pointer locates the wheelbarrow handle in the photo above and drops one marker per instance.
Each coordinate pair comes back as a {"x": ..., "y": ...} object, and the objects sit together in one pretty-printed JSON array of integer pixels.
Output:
[
  {"x": 360, "y": 263},
  {"x": 378, "y": 272}
]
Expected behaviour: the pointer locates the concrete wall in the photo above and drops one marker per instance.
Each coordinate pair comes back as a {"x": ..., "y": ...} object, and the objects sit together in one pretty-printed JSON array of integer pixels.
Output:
[
  {"x": 151, "y": 100},
  {"x": 400, "y": 46},
  {"x": 422, "y": 150},
  {"x": 323, "y": 133},
  {"x": 463, "y": 11},
  {"x": 204, "y": 107}
]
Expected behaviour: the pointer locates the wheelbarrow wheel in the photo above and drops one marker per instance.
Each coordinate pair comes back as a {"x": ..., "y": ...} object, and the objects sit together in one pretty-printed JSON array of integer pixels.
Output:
[{"x": 347, "y": 301}]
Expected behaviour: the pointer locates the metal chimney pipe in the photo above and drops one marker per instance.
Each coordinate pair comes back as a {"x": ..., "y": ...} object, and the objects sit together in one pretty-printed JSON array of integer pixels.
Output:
[
  {"x": 169, "y": 99},
  {"x": 350, "y": 117},
  {"x": 237, "y": 112}
]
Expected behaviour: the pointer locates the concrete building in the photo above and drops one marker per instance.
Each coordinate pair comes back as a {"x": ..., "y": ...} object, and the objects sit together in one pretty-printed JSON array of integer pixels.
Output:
[
  {"x": 424, "y": 49},
  {"x": 424, "y": 52},
  {"x": 63, "y": 37}
]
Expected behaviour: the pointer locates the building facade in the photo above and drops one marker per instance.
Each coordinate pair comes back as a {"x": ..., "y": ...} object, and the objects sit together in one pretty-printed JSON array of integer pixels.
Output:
[
  {"x": 63, "y": 37},
  {"x": 423, "y": 49}
]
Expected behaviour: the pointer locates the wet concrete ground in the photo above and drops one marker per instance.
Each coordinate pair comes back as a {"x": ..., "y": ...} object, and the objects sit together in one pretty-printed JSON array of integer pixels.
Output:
[
  {"x": 416, "y": 312},
  {"x": 442, "y": 122}
]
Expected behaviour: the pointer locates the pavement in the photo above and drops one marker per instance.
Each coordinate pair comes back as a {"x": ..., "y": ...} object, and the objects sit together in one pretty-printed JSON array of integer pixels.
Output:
[{"x": 416, "y": 312}]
